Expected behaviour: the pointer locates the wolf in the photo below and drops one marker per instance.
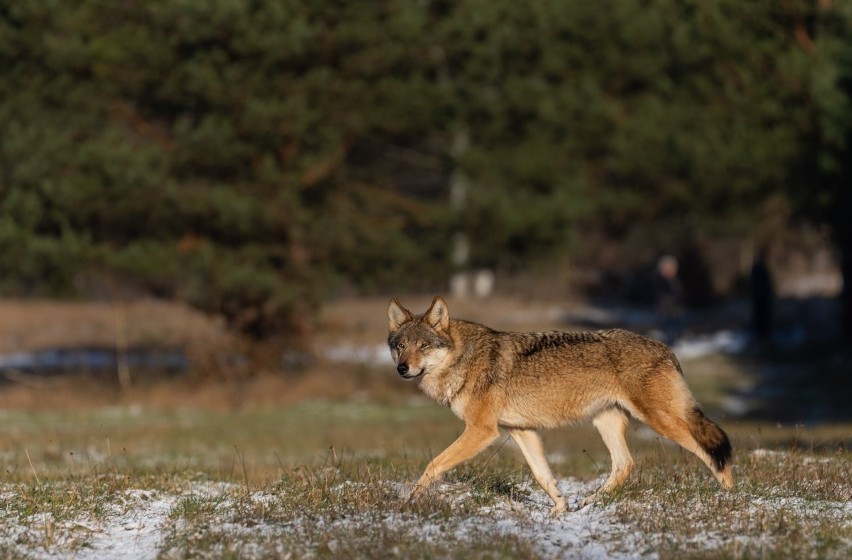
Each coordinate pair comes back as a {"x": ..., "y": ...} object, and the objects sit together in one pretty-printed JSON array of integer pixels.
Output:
[{"x": 523, "y": 382}]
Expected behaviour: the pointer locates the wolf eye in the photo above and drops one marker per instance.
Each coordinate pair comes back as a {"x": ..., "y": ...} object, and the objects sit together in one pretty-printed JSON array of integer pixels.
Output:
[
  {"x": 424, "y": 345},
  {"x": 401, "y": 346}
]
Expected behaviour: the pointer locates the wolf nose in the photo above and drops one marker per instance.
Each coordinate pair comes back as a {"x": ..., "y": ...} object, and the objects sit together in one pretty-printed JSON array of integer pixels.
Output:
[{"x": 402, "y": 369}]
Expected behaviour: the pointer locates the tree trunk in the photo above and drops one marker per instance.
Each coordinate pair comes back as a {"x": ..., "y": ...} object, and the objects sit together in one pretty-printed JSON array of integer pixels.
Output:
[
  {"x": 846, "y": 296},
  {"x": 843, "y": 238}
]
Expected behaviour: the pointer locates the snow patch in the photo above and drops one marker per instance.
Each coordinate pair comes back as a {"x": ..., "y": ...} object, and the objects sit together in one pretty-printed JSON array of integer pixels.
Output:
[
  {"x": 721, "y": 342},
  {"x": 134, "y": 534},
  {"x": 360, "y": 354},
  {"x": 137, "y": 521},
  {"x": 130, "y": 529},
  {"x": 771, "y": 454},
  {"x": 590, "y": 532}
]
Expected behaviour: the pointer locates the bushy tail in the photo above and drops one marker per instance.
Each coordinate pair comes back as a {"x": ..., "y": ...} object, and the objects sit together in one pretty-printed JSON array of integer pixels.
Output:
[{"x": 711, "y": 438}]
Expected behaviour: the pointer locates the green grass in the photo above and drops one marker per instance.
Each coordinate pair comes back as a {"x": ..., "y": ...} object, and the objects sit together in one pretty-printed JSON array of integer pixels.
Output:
[
  {"x": 791, "y": 504},
  {"x": 323, "y": 479},
  {"x": 220, "y": 445}
]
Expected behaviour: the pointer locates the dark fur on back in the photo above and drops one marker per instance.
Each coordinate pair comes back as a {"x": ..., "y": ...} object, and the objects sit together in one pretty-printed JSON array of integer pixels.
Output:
[{"x": 537, "y": 342}]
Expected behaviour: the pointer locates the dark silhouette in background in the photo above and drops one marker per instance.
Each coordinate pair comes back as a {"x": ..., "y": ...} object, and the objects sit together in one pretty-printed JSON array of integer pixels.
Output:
[
  {"x": 762, "y": 296},
  {"x": 843, "y": 239},
  {"x": 695, "y": 273},
  {"x": 668, "y": 291}
]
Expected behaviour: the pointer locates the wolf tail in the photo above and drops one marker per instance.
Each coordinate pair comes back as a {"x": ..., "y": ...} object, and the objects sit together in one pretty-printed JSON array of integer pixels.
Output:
[{"x": 710, "y": 437}]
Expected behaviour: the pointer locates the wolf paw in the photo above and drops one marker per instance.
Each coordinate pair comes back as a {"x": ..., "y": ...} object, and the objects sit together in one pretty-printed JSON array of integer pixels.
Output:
[
  {"x": 405, "y": 492},
  {"x": 559, "y": 508},
  {"x": 589, "y": 500},
  {"x": 411, "y": 492}
]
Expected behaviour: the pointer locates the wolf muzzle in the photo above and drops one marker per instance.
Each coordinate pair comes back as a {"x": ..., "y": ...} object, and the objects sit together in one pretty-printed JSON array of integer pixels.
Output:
[{"x": 404, "y": 371}]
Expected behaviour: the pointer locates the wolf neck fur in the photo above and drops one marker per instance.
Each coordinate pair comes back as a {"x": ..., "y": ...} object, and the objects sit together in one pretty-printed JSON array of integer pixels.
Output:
[{"x": 447, "y": 383}]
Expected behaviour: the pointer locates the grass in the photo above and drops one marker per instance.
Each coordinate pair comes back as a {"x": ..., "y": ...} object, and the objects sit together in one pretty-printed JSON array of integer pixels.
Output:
[
  {"x": 787, "y": 504},
  {"x": 316, "y": 466},
  {"x": 323, "y": 479},
  {"x": 226, "y": 445},
  {"x": 40, "y": 324}
]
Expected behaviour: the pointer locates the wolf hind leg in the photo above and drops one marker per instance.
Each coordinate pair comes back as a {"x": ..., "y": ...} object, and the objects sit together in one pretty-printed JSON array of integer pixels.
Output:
[
  {"x": 612, "y": 423},
  {"x": 530, "y": 445}
]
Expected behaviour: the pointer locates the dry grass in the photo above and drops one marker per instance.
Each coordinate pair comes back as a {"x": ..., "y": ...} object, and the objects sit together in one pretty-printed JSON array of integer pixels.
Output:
[
  {"x": 313, "y": 464},
  {"x": 322, "y": 380},
  {"x": 323, "y": 479},
  {"x": 788, "y": 504},
  {"x": 35, "y": 324},
  {"x": 32, "y": 325},
  {"x": 364, "y": 320}
]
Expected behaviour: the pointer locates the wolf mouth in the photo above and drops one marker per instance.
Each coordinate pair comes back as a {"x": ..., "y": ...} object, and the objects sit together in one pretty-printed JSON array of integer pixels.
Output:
[{"x": 414, "y": 376}]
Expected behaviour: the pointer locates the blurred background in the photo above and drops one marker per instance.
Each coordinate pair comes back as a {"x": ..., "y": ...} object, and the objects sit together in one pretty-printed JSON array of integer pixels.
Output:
[{"x": 221, "y": 188}]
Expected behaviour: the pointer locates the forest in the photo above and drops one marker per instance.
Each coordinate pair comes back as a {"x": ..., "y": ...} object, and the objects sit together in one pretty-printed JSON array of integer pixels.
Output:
[{"x": 254, "y": 158}]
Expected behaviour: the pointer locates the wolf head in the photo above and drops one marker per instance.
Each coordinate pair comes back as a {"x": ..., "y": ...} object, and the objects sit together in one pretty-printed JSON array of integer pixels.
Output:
[{"x": 419, "y": 344}]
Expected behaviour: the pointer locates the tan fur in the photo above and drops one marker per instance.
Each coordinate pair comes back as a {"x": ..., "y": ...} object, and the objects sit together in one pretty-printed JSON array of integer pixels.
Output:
[{"x": 522, "y": 382}]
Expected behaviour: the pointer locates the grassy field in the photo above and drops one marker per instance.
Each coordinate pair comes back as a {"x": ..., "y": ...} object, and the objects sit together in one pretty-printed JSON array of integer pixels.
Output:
[
  {"x": 313, "y": 466},
  {"x": 323, "y": 479}
]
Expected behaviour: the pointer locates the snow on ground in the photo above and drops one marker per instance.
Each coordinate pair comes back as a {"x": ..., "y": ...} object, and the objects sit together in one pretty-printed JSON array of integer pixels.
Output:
[
  {"x": 134, "y": 525},
  {"x": 134, "y": 534},
  {"x": 374, "y": 355},
  {"x": 721, "y": 342},
  {"x": 129, "y": 528},
  {"x": 589, "y": 532}
]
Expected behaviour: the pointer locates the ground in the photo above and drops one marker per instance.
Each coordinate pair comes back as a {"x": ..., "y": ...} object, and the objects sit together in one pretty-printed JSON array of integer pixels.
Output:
[
  {"x": 324, "y": 479},
  {"x": 314, "y": 464}
]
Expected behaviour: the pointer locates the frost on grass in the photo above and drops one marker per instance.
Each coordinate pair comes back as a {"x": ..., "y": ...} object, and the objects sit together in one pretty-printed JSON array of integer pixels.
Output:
[
  {"x": 134, "y": 532},
  {"x": 660, "y": 516},
  {"x": 787, "y": 505},
  {"x": 588, "y": 532},
  {"x": 128, "y": 526},
  {"x": 355, "y": 519}
]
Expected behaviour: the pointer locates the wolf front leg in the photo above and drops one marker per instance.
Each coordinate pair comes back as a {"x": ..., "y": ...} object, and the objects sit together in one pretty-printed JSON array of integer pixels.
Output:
[
  {"x": 474, "y": 439},
  {"x": 530, "y": 444}
]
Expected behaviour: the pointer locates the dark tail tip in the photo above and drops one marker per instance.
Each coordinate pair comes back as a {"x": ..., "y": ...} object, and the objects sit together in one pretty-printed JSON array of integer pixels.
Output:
[
  {"x": 711, "y": 438},
  {"x": 721, "y": 454}
]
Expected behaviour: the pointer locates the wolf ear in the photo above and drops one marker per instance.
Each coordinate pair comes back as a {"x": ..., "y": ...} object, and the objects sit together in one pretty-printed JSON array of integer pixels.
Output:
[
  {"x": 438, "y": 314},
  {"x": 397, "y": 315}
]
